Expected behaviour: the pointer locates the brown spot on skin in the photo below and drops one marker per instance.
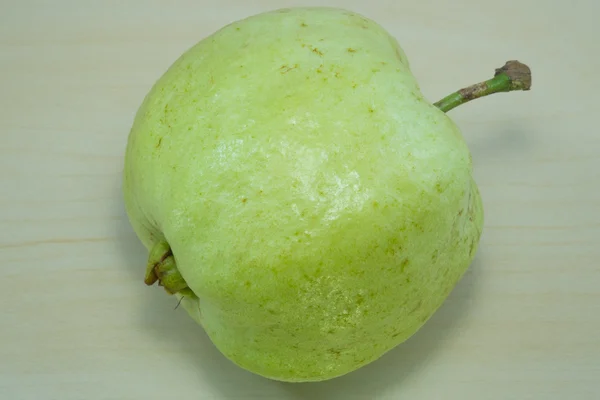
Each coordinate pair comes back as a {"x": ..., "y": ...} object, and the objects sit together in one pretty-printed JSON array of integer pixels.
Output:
[
  {"x": 404, "y": 264},
  {"x": 460, "y": 212},
  {"x": 351, "y": 50},
  {"x": 286, "y": 68},
  {"x": 159, "y": 142},
  {"x": 317, "y": 51},
  {"x": 244, "y": 200},
  {"x": 371, "y": 110},
  {"x": 335, "y": 352},
  {"x": 303, "y": 25}
]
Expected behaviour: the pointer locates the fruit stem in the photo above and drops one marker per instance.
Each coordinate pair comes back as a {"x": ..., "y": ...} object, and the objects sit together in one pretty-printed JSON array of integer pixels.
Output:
[{"x": 512, "y": 76}]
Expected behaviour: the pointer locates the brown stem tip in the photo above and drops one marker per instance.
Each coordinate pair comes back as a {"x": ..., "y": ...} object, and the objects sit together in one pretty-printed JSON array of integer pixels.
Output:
[
  {"x": 519, "y": 74},
  {"x": 514, "y": 75}
]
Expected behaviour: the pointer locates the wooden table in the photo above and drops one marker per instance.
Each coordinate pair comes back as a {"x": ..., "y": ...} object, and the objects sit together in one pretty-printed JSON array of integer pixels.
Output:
[{"x": 76, "y": 320}]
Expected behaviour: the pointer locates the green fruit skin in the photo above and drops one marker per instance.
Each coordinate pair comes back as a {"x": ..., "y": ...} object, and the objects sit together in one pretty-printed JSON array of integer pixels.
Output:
[{"x": 319, "y": 207}]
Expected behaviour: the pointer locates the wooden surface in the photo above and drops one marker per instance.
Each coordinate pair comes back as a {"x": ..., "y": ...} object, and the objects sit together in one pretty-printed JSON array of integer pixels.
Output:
[{"x": 76, "y": 321}]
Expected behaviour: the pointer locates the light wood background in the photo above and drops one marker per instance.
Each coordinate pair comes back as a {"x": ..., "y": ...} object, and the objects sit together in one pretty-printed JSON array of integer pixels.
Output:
[{"x": 76, "y": 321}]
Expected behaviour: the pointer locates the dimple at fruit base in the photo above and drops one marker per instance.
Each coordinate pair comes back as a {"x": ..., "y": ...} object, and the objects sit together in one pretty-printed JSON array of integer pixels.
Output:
[{"x": 299, "y": 195}]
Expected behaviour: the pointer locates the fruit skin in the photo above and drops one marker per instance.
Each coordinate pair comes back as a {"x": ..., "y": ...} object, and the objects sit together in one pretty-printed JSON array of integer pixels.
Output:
[{"x": 319, "y": 207}]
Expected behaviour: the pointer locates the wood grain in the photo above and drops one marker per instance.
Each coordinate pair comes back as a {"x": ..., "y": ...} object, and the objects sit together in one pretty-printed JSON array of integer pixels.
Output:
[{"x": 77, "y": 321}]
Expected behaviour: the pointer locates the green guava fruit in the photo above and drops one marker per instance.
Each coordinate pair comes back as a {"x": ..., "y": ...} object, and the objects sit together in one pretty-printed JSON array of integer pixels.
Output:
[{"x": 298, "y": 194}]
